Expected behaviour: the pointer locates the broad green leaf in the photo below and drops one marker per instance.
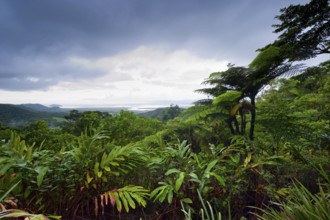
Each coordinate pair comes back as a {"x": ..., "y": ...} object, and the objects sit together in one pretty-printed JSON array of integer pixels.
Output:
[
  {"x": 16, "y": 213},
  {"x": 170, "y": 196},
  {"x": 118, "y": 202},
  {"x": 115, "y": 164},
  {"x": 96, "y": 168},
  {"x": 3, "y": 197},
  {"x": 230, "y": 96},
  {"x": 247, "y": 159},
  {"x": 139, "y": 199},
  {"x": 195, "y": 180},
  {"x": 106, "y": 168},
  {"x": 210, "y": 166},
  {"x": 6, "y": 167},
  {"x": 219, "y": 178},
  {"x": 164, "y": 193},
  {"x": 89, "y": 178},
  {"x": 186, "y": 200},
  {"x": 179, "y": 181},
  {"x": 156, "y": 191},
  {"x": 103, "y": 160},
  {"x": 193, "y": 175},
  {"x": 173, "y": 170},
  {"x": 124, "y": 201},
  {"x": 41, "y": 174},
  {"x": 129, "y": 199}
]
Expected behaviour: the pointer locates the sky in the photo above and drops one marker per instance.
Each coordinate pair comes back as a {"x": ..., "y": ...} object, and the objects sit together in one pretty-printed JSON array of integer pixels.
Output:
[{"x": 138, "y": 53}]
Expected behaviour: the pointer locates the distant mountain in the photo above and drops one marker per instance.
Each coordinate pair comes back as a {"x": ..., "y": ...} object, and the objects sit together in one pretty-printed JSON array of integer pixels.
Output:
[
  {"x": 21, "y": 115},
  {"x": 163, "y": 114},
  {"x": 112, "y": 110},
  {"x": 41, "y": 108},
  {"x": 153, "y": 113}
]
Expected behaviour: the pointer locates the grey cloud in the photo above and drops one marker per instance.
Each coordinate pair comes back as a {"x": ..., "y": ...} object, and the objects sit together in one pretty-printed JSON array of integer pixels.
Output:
[
  {"x": 35, "y": 72},
  {"x": 41, "y": 24},
  {"x": 56, "y": 30},
  {"x": 24, "y": 84}
]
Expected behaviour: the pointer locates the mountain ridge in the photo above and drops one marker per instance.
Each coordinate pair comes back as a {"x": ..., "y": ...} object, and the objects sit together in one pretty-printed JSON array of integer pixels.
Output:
[{"x": 20, "y": 115}]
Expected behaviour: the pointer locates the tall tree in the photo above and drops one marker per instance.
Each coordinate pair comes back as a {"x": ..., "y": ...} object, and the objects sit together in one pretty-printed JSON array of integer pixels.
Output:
[
  {"x": 227, "y": 97},
  {"x": 268, "y": 65},
  {"x": 225, "y": 92},
  {"x": 305, "y": 34},
  {"x": 304, "y": 29},
  {"x": 230, "y": 88}
]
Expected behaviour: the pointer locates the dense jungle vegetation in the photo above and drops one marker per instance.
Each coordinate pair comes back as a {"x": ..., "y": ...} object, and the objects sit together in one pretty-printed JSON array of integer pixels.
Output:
[{"x": 257, "y": 148}]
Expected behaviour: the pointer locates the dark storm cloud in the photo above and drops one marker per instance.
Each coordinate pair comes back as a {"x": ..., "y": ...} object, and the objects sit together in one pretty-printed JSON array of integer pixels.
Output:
[{"x": 38, "y": 37}]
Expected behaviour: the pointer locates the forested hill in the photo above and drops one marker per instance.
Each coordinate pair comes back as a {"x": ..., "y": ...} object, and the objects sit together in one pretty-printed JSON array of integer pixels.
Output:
[
  {"x": 20, "y": 115},
  {"x": 163, "y": 114},
  {"x": 41, "y": 108}
]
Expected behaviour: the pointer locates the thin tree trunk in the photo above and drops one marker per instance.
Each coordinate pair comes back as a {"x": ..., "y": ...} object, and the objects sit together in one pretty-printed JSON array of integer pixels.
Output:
[
  {"x": 230, "y": 126},
  {"x": 236, "y": 125},
  {"x": 243, "y": 121}
]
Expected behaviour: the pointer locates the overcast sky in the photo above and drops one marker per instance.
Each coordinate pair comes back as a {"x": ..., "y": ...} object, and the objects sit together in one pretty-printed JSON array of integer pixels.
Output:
[{"x": 125, "y": 52}]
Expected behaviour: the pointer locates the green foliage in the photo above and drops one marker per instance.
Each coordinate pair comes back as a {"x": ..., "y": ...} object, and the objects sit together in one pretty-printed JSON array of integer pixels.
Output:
[
  {"x": 20, "y": 116},
  {"x": 92, "y": 165},
  {"x": 267, "y": 59},
  {"x": 228, "y": 97},
  {"x": 126, "y": 197},
  {"x": 103, "y": 164},
  {"x": 164, "y": 114},
  {"x": 16, "y": 213},
  {"x": 78, "y": 122},
  {"x": 36, "y": 133},
  {"x": 127, "y": 127},
  {"x": 170, "y": 113},
  {"x": 296, "y": 110},
  {"x": 240, "y": 83},
  {"x": 301, "y": 204},
  {"x": 304, "y": 30},
  {"x": 206, "y": 213}
]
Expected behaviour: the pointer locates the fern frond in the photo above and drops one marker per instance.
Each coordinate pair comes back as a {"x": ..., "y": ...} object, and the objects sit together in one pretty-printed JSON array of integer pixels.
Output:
[{"x": 127, "y": 197}]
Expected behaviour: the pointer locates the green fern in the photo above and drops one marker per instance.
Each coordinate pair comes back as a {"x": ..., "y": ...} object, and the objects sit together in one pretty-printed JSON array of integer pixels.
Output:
[
  {"x": 301, "y": 205},
  {"x": 228, "y": 97},
  {"x": 126, "y": 197}
]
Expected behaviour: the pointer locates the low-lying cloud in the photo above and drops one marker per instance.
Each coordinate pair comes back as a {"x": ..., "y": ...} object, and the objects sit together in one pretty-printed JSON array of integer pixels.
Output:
[{"x": 143, "y": 75}]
